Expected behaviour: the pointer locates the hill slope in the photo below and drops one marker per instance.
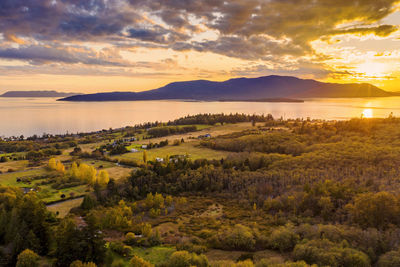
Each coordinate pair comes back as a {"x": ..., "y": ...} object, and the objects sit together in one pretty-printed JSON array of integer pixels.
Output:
[
  {"x": 36, "y": 94},
  {"x": 242, "y": 88}
]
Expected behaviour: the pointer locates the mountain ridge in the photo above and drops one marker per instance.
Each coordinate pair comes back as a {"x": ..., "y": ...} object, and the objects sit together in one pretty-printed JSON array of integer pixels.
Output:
[{"x": 265, "y": 87}]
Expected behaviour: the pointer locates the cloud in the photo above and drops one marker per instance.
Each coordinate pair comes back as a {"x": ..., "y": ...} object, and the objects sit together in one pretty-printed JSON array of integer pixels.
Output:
[
  {"x": 381, "y": 31},
  {"x": 263, "y": 30},
  {"x": 38, "y": 55}
]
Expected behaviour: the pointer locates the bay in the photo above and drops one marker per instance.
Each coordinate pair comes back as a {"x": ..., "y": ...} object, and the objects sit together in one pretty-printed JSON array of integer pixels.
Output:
[{"x": 29, "y": 116}]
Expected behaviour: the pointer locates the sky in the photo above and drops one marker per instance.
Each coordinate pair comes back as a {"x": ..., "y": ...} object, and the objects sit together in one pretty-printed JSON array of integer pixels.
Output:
[{"x": 89, "y": 46}]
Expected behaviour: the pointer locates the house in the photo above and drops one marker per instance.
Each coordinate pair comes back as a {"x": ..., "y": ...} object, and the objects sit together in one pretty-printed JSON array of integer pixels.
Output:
[
  {"x": 134, "y": 150},
  {"x": 129, "y": 139},
  {"x": 159, "y": 159},
  {"x": 144, "y": 146},
  {"x": 204, "y": 136}
]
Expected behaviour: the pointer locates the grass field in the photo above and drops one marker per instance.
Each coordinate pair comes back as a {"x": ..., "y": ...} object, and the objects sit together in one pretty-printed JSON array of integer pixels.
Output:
[
  {"x": 191, "y": 149},
  {"x": 14, "y": 165},
  {"x": 64, "y": 207},
  {"x": 10, "y": 178},
  {"x": 204, "y": 129},
  {"x": 155, "y": 255},
  {"x": 119, "y": 172},
  {"x": 48, "y": 194}
]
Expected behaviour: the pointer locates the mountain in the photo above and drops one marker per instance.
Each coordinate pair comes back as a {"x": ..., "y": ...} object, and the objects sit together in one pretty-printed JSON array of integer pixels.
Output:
[
  {"x": 242, "y": 88},
  {"x": 36, "y": 94}
]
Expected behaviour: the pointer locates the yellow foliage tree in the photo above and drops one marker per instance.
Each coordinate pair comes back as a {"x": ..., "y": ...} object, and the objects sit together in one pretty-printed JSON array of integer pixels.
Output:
[
  {"x": 145, "y": 156},
  {"x": 74, "y": 171},
  {"x": 103, "y": 178},
  {"x": 60, "y": 167},
  {"x": 52, "y": 163},
  {"x": 56, "y": 165},
  {"x": 87, "y": 173}
]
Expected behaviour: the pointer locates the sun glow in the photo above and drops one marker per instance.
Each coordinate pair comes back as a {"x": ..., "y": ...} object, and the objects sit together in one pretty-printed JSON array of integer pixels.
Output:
[
  {"x": 372, "y": 69},
  {"x": 367, "y": 113}
]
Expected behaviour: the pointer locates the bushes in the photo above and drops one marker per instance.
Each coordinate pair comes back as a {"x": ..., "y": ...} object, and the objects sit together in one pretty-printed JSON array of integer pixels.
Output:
[
  {"x": 186, "y": 259},
  {"x": 283, "y": 238},
  {"x": 228, "y": 263},
  {"x": 237, "y": 238},
  {"x": 139, "y": 262},
  {"x": 375, "y": 210},
  {"x": 389, "y": 259},
  {"x": 326, "y": 253},
  {"x": 27, "y": 258}
]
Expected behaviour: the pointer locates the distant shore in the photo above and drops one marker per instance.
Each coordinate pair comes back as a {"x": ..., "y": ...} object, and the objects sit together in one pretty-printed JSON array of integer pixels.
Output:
[{"x": 275, "y": 100}]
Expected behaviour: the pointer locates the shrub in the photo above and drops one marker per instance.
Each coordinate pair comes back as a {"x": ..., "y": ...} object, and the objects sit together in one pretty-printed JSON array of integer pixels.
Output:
[
  {"x": 239, "y": 237},
  {"x": 139, "y": 262},
  {"x": 186, "y": 259},
  {"x": 283, "y": 238},
  {"x": 78, "y": 263},
  {"x": 27, "y": 258},
  {"x": 389, "y": 259},
  {"x": 130, "y": 238},
  {"x": 326, "y": 253}
]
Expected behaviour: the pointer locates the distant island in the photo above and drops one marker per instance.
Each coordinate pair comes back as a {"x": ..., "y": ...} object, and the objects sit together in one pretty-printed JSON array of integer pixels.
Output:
[
  {"x": 251, "y": 89},
  {"x": 36, "y": 94}
]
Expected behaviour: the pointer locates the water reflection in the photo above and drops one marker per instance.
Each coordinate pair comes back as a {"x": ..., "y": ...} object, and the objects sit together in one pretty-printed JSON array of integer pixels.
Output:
[{"x": 367, "y": 113}]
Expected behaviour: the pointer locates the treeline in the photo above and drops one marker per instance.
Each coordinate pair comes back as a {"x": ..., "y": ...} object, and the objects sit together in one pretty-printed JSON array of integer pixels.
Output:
[
  {"x": 281, "y": 142},
  {"x": 170, "y": 130},
  {"x": 211, "y": 119}
]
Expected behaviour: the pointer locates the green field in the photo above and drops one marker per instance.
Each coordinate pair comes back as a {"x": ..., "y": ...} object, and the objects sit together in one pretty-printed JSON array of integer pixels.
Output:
[
  {"x": 155, "y": 255},
  {"x": 10, "y": 178},
  {"x": 48, "y": 194}
]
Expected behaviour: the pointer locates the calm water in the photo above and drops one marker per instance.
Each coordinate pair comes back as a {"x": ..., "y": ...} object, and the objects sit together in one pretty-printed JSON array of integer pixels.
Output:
[{"x": 46, "y": 115}]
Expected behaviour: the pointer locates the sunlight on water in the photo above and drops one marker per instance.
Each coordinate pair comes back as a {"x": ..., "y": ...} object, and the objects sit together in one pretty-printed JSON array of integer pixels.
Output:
[{"x": 368, "y": 113}]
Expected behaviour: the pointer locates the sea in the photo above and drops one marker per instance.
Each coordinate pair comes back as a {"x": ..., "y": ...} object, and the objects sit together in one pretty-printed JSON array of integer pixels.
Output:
[{"x": 30, "y": 116}]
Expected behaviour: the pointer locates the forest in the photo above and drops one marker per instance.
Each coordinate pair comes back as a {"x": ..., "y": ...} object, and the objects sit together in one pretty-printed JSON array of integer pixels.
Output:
[{"x": 260, "y": 192}]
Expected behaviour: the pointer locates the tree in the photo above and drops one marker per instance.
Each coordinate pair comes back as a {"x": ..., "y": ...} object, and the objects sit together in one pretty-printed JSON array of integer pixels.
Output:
[
  {"x": 168, "y": 201},
  {"x": 375, "y": 209},
  {"x": 144, "y": 156},
  {"x": 52, "y": 163},
  {"x": 74, "y": 171},
  {"x": 389, "y": 259},
  {"x": 60, "y": 167},
  {"x": 88, "y": 203},
  {"x": 149, "y": 200},
  {"x": 146, "y": 230},
  {"x": 158, "y": 201},
  {"x": 239, "y": 237},
  {"x": 27, "y": 258},
  {"x": 103, "y": 178},
  {"x": 79, "y": 263},
  {"x": 139, "y": 262},
  {"x": 283, "y": 238}
]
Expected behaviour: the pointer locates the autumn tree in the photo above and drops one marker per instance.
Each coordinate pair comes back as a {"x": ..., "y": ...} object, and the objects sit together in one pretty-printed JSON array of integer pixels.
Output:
[
  {"x": 27, "y": 258},
  {"x": 139, "y": 262}
]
